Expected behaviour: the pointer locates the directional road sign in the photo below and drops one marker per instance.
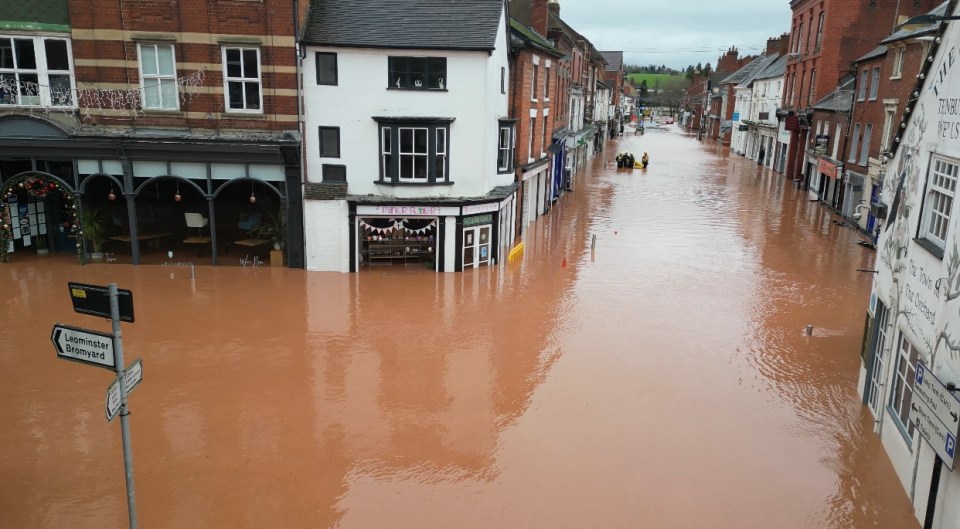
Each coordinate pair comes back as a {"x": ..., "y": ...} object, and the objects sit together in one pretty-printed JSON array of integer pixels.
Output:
[
  {"x": 928, "y": 389},
  {"x": 84, "y": 345},
  {"x": 935, "y": 432},
  {"x": 95, "y": 300},
  {"x": 131, "y": 379}
]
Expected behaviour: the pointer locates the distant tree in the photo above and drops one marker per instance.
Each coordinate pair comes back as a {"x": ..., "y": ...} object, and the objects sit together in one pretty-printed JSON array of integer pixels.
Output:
[
  {"x": 644, "y": 91},
  {"x": 707, "y": 69}
]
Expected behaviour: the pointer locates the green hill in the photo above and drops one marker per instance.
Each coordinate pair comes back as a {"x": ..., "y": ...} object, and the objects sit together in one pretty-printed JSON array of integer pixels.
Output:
[{"x": 653, "y": 78}]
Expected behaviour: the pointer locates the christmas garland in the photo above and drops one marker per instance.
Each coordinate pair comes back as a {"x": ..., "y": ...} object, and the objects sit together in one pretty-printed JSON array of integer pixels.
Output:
[{"x": 39, "y": 187}]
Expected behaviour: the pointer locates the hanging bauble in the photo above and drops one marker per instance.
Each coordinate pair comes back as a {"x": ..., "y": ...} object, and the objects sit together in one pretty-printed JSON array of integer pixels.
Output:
[
  {"x": 177, "y": 197},
  {"x": 111, "y": 195},
  {"x": 253, "y": 198}
]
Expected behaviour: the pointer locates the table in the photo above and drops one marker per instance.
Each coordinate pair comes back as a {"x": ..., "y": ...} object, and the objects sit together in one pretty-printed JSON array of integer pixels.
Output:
[
  {"x": 198, "y": 239},
  {"x": 249, "y": 243},
  {"x": 150, "y": 237}
]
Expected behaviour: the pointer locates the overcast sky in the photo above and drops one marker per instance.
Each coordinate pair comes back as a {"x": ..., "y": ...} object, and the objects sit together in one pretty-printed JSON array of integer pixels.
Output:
[{"x": 677, "y": 32}]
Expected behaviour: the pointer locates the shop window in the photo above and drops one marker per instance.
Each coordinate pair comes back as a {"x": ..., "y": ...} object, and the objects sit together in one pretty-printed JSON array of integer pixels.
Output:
[
  {"x": 242, "y": 80},
  {"x": 938, "y": 203},
  {"x": 329, "y": 142},
  {"x": 415, "y": 152},
  {"x": 902, "y": 394},
  {"x": 36, "y": 71},
  {"x": 327, "y": 68},
  {"x": 158, "y": 76},
  {"x": 334, "y": 173},
  {"x": 507, "y": 145},
  {"x": 417, "y": 73}
]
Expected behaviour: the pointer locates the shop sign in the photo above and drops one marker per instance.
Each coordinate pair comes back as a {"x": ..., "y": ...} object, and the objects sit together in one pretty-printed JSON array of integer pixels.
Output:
[
  {"x": 477, "y": 220},
  {"x": 792, "y": 123},
  {"x": 408, "y": 211},
  {"x": 763, "y": 116},
  {"x": 827, "y": 168},
  {"x": 481, "y": 208}
]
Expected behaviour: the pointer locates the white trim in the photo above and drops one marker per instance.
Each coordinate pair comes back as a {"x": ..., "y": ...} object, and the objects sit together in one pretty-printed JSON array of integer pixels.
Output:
[
  {"x": 161, "y": 78},
  {"x": 536, "y": 60},
  {"x": 227, "y": 79},
  {"x": 408, "y": 211},
  {"x": 533, "y": 113}
]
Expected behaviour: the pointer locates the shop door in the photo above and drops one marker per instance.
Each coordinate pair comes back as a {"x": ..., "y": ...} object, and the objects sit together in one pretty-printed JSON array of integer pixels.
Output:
[{"x": 476, "y": 246}]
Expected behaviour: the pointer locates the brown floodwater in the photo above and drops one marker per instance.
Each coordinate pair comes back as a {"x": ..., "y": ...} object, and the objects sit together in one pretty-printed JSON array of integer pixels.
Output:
[{"x": 662, "y": 380}]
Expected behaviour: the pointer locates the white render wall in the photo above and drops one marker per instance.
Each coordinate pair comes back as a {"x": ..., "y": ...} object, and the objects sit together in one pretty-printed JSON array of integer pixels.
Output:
[
  {"x": 473, "y": 97},
  {"x": 327, "y": 235},
  {"x": 918, "y": 286}
]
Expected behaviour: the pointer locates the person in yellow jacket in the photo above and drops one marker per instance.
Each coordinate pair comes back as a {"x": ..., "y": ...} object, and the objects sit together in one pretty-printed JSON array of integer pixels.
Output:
[{"x": 645, "y": 160}]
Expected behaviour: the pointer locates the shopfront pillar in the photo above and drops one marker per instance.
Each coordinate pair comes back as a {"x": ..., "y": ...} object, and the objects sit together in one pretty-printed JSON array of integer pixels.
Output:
[{"x": 450, "y": 244}]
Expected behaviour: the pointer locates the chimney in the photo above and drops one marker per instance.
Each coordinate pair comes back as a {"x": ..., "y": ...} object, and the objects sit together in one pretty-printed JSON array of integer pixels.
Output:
[
  {"x": 538, "y": 16},
  {"x": 778, "y": 45},
  {"x": 554, "y": 7}
]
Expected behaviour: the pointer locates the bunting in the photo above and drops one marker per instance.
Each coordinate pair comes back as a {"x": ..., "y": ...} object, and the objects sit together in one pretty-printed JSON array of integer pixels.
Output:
[{"x": 395, "y": 224}]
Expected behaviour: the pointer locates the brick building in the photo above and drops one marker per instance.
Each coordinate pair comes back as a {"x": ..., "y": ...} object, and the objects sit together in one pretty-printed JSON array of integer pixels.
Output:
[
  {"x": 172, "y": 126},
  {"x": 534, "y": 102},
  {"x": 826, "y": 37}
]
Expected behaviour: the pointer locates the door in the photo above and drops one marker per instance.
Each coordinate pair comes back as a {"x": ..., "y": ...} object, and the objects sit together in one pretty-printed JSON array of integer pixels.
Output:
[{"x": 476, "y": 246}]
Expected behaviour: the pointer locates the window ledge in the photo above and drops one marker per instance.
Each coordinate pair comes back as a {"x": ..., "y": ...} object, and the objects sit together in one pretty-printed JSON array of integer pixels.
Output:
[
  {"x": 505, "y": 171},
  {"x": 417, "y": 89},
  {"x": 893, "y": 77},
  {"x": 412, "y": 184},
  {"x": 900, "y": 426},
  {"x": 930, "y": 247},
  {"x": 243, "y": 115},
  {"x": 167, "y": 113}
]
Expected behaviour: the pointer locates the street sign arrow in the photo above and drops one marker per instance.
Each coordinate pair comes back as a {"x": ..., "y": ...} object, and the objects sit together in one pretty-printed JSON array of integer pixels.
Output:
[
  {"x": 935, "y": 432},
  {"x": 83, "y": 345},
  {"x": 928, "y": 389},
  {"x": 131, "y": 379}
]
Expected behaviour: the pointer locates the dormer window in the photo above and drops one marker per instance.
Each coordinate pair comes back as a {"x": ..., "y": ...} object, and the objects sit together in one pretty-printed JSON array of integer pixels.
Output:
[
  {"x": 36, "y": 71},
  {"x": 417, "y": 73}
]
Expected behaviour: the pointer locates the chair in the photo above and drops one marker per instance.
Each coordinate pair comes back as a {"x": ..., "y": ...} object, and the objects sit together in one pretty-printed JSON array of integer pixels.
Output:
[
  {"x": 195, "y": 221},
  {"x": 250, "y": 224}
]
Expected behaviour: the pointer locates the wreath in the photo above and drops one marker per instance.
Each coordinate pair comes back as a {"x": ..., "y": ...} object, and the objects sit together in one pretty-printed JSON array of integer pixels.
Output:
[{"x": 36, "y": 186}]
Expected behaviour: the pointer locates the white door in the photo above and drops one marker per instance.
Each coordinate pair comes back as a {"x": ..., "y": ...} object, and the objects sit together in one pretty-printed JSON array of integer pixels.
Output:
[{"x": 476, "y": 246}]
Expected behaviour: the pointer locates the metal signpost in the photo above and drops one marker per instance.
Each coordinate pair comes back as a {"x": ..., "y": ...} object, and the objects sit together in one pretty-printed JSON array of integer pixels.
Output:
[
  {"x": 936, "y": 414},
  {"x": 105, "y": 350}
]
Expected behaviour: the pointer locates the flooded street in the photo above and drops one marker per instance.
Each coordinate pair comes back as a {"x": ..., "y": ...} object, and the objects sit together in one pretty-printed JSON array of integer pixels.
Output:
[{"x": 661, "y": 380}]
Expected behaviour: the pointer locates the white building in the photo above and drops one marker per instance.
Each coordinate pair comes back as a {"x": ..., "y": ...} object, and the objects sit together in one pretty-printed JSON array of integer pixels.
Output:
[
  {"x": 914, "y": 318},
  {"x": 762, "y": 124},
  {"x": 403, "y": 133}
]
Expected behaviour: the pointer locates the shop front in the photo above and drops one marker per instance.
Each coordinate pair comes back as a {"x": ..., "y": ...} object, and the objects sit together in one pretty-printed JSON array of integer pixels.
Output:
[{"x": 443, "y": 238}]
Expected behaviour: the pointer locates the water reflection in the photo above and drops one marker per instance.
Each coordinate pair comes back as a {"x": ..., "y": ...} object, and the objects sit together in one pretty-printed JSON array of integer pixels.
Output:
[{"x": 658, "y": 379}]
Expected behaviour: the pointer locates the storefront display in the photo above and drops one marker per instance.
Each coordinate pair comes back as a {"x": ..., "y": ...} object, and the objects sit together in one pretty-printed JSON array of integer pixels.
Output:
[{"x": 389, "y": 241}]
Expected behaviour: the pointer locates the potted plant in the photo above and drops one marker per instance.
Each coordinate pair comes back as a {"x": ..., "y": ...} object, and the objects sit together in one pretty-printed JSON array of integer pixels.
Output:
[
  {"x": 92, "y": 226},
  {"x": 274, "y": 229}
]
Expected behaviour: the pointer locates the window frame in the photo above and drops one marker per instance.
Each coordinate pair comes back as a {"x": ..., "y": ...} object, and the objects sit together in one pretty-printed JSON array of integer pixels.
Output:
[
  {"x": 813, "y": 83},
  {"x": 391, "y": 69},
  {"x": 533, "y": 126},
  {"x": 506, "y": 152},
  {"x": 336, "y": 68},
  {"x": 389, "y": 134},
  {"x": 938, "y": 200},
  {"x": 901, "y": 392},
  {"x": 897, "y": 72},
  {"x": 320, "y": 131},
  {"x": 862, "y": 89},
  {"x": 546, "y": 82},
  {"x": 865, "y": 144},
  {"x": 227, "y": 80},
  {"x": 875, "y": 83},
  {"x": 819, "y": 32},
  {"x": 42, "y": 71},
  {"x": 536, "y": 75},
  {"x": 852, "y": 154},
  {"x": 331, "y": 180},
  {"x": 157, "y": 46}
]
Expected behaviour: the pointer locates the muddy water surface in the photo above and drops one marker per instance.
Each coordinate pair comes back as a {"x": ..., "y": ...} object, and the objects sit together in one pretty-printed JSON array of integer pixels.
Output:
[{"x": 659, "y": 380}]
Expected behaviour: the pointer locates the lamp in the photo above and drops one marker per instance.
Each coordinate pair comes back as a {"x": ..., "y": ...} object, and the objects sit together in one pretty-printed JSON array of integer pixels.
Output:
[{"x": 856, "y": 212}]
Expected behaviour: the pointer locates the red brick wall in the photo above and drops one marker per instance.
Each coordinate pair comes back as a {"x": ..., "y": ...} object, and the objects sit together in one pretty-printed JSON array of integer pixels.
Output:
[
  {"x": 98, "y": 57},
  {"x": 521, "y": 84}
]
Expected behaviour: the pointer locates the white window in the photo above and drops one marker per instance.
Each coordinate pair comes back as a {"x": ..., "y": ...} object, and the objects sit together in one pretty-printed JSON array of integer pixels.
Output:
[
  {"x": 939, "y": 201},
  {"x": 536, "y": 75},
  {"x": 887, "y": 125},
  {"x": 813, "y": 87},
  {"x": 819, "y": 32},
  {"x": 241, "y": 80},
  {"x": 862, "y": 92},
  {"x": 507, "y": 143},
  {"x": 852, "y": 155},
  {"x": 875, "y": 84},
  {"x": 875, "y": 394},
  {"x": 897, "y": 63},
  {"x": 36, "y": 71},
  {"x": 865, "y": 143},
  {"x": 533, "y": 127},
  {"x": 158, "y": 77},
  {"x": 902, "y": 394},
  {"x": 415, "y": 151}
]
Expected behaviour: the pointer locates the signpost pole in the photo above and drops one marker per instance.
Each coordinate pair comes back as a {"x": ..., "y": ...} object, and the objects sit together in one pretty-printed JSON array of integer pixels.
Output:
[
  {"x": 124, "y": 412},
  {"x": 934, "y": 488}
]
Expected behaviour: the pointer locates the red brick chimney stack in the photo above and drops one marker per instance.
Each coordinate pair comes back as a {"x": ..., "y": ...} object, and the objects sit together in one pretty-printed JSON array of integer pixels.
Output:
[
  {"x": 538, "y": 16},
  {"x": 778, "y": 45},
  {"x": 554, "y": 8}
]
